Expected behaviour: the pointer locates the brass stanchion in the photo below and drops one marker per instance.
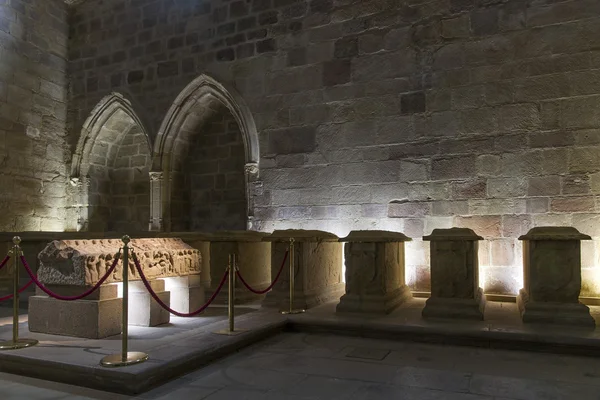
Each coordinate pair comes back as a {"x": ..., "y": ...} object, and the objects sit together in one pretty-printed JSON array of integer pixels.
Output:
[
  {"x": 292, "y": 283},
  {"x": 231, "y": 299},
  {"x": 125, "y": 357},
  {"x": 16, "y": 343}
]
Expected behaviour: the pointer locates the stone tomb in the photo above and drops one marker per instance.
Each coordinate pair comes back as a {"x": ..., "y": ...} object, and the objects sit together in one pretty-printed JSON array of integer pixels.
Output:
[
  {"x": 374, "y": 272},
  {"x": 455, "y": 291},
  {"x": 253, "y": 260},
  {"x": 318, "y": 266},
  {"x": 70, "y": 267},
  {"x": 552, "y": 277}
]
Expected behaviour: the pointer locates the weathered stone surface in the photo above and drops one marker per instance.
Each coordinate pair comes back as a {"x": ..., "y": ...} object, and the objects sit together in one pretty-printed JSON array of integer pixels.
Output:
[
  {"x": 84, "y": 262},
  {"x": 375, "y": 281},
  {"x": 455, "y": 291},
  {"x": 552, "y": 277},
  {"x": 317, "y": 260},
  {"x": 253, "y": 260}
]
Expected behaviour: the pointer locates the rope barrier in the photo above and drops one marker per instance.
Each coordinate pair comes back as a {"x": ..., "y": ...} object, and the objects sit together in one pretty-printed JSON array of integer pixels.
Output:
[
  {"x": 3, "y": 263},
  {"x": 21, "y": 290},
  {"x": 270, "y": 286},
  {"x": 71, "y": 298},
  {"x": 166, "y": 307}
]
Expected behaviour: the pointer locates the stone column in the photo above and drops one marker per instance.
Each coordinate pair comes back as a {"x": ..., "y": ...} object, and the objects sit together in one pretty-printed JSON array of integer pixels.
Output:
[
  {"x": 318, "y": 262},
  {"x": 552, "y": 277},
  {"x": 156, "y": 206},
  {"x": 455, "y": 291},
  {"x": 254, "y": 261},
  {"x": 374, "y": 272},
  {"x": 143, "y": 310}
]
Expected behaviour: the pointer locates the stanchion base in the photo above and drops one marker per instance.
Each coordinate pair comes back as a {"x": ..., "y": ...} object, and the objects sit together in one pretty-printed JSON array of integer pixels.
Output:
[
  {"x": 19, "y": 344},
  {"x": 298, "y": 311},
  {"x": 230, "y": 333},
  {"x": 116, "y": 360}
]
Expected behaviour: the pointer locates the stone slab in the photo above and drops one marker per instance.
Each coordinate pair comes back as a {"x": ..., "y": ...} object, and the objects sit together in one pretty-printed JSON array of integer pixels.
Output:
[
  {"x": 444, "y": 307},
  {"x": 375, "y": 237},
  {"x": 452, "y": 234},
  {"x": 81, "y": 318},
  {"x": 569, "y": 314},
  {"x": 300, "y": 235},
  {"x": 554, "y": 233},
  {"x": 84, "y": 262}
]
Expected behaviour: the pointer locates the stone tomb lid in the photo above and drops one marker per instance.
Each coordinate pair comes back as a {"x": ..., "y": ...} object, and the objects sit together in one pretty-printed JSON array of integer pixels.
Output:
[
  {"x": 554, "y": 233},
  {"x": 375, "y": 236},
  {"x": 238, "y": 236},
  {"x": 452, "y": 234},
  {"x": 300, "y": 235}
]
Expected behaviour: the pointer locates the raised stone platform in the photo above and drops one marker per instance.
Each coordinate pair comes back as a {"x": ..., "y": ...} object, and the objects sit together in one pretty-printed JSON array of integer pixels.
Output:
[
  {"x": 70, "y": 267},
  {"x": 188, "y": 344}
]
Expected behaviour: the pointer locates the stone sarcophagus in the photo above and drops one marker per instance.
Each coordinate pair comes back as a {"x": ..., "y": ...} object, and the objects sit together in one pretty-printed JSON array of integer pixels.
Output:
[
  {"x": 70, "y": 267},
  {"x": 552, "y": 277},
  {"x": 317, "y": 273},
  {"x": 253, "y": 259},
  {"x": 455, "y": 291},
  {"x": 375, "y": 280}
]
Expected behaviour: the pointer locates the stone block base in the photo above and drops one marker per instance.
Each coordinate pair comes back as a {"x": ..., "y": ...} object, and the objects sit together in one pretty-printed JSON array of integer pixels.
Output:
[
  {"x": 383, "y": 304},
  {"x": 305, "y": 300},
  {"x": 441, "y": 307},
  {"x": 572, "y": 314},
  {"x": 187, "y": 293},
  {"x": 143, "y": 310},
  {"x": 91, "y": 319}
]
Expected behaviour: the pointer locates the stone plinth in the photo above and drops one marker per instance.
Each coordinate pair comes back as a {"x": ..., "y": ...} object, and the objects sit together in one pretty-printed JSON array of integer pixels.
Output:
[
  {"x": 318, "y": 266},
  {"x": 254, "y": 262},
  {"x": 374, "y": 272},
  {"x": 552, "y": 277},
  {"x": 455, "y": 291},
  {"x": 70, "y": 267}
]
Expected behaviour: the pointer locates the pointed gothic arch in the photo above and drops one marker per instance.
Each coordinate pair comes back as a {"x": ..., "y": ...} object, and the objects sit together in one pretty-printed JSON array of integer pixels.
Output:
[
  {"x": 198, "y": 98},
  {"x": 110, "y": 168}
]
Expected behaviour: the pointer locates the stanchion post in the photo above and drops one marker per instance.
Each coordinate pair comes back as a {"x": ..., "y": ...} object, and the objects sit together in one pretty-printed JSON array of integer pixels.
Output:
[
  {"x": 232, "y": 268},
  {"x": 126, "y": 357},
  {"x": 16, "y": 343},
  {"x": 292, "y": 280}
]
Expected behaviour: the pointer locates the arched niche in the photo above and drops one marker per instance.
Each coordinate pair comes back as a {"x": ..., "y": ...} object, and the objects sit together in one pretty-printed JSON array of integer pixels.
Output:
[
  {"x": 205, "y": 160},
  {"x": 110, "y": 169}
]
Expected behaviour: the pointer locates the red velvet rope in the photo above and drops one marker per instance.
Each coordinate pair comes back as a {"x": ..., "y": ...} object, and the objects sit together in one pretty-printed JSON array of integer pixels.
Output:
[
  {"x": 71, "y": 298},
  {"x": 3, "y": 263},
  {"x": 21, "y": 290},
  {"x": 166, "y": 307},
  {"x": 270, "y": 286}
]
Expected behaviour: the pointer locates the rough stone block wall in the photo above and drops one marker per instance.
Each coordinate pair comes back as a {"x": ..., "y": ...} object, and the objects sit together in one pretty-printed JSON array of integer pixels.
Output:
[
  {"x": 216, "y": 176},
  {"x": 33, "y": 112},
  {"x": 209, "y": 191},
  {"x": 401, "y": 115}
]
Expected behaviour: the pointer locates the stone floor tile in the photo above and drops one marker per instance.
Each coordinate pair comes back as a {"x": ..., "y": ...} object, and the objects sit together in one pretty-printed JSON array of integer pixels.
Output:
[
  {"x": 325, "y": 388},
  {"x": 246, "y": 377},
  {"x": 236, "y": 394},
  {"x": 450, "y": 381}
]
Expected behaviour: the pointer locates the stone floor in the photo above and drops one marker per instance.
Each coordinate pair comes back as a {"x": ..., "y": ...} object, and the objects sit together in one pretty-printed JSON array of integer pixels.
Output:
[
  {"x": 313, "y": 363},
  {"x": 298, "y": 366}
]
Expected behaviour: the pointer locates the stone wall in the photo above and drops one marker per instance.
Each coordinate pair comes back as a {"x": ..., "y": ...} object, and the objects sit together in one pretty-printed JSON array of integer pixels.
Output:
[
  {"x": 33, "y": 111},
  {"x": 216, "y": 176},
  {"x": 399, "y": 115}
]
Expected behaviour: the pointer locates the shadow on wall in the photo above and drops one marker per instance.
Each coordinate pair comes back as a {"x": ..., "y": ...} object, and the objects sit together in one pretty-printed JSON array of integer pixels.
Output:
[
  {"x": 114, "y": 158},
  {"x": 208, "y": 192}
]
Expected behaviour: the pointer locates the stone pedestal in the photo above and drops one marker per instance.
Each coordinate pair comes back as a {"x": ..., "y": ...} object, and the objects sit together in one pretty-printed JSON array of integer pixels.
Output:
[
  {"x": 143, "y": 310},
  {"x": 96, "y": 317},
  {"x": 187, "y": 292},
  {"x": 318, "y": 269},
  {"x": 374, "y": 272},
  {"x": 254, "y": 262},
  {"x": 70, "y": 267},
  {"x": 552, "y": 277},
  {"x": 455, "y": 291}
]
